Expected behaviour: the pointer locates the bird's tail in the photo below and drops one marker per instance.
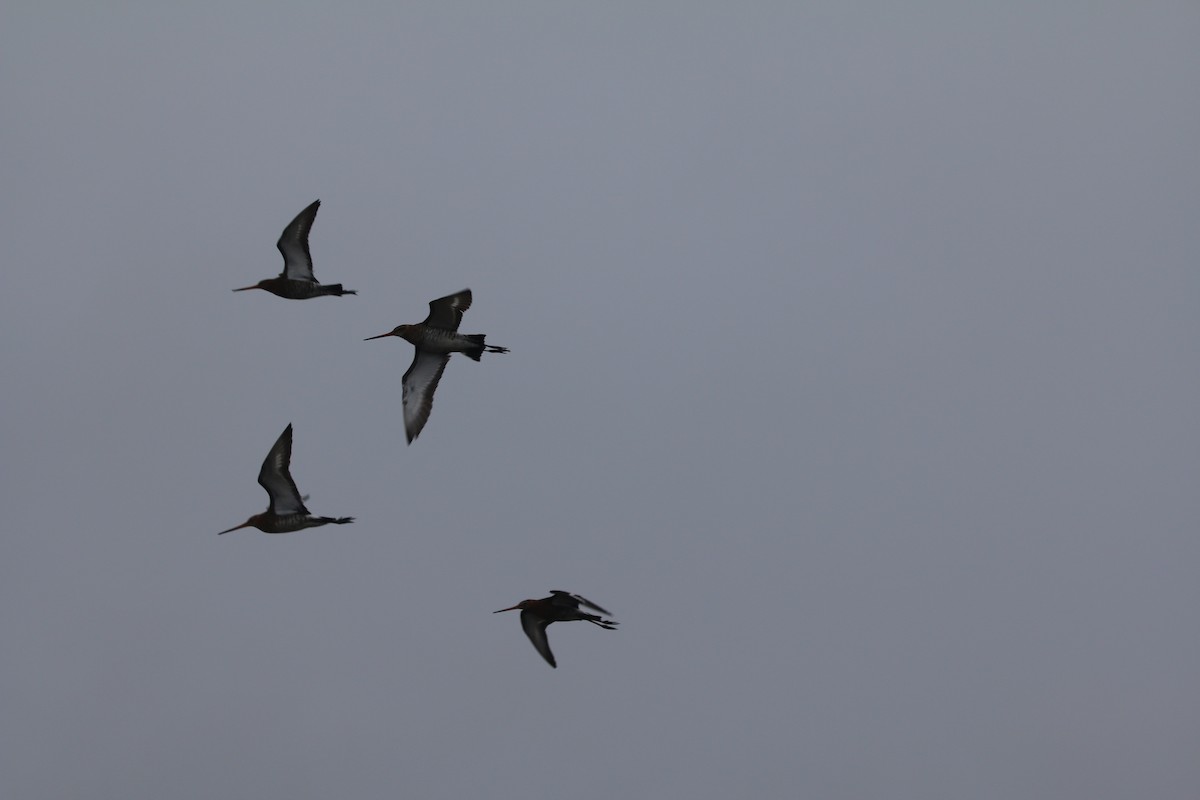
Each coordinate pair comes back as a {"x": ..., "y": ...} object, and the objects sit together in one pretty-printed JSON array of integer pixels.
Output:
[
  {"x": 480, "y": 348},
  {"x": 338, "y": 520},
  {"x": 607, "y": 624},
  {"x": 336, "y": 289}
]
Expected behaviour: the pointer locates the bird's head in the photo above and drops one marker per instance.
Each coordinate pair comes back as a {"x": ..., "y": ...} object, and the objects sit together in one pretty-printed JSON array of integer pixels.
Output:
[
  {"x": 521, "y": 606},
  {"x": 403, "y": 331},
  {"x": 260, "y": 285},
  {"x": 253, "y": 522}
]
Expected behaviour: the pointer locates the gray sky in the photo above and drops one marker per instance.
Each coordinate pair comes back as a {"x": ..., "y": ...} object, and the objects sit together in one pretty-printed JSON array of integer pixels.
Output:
[{"x": 853, "y": 368}]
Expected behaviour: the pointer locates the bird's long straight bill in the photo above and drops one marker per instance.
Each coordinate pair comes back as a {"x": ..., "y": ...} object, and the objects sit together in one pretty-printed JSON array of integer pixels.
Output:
[
  {"x": 514, "y": 608},
  {"x": 380, "y": 336},
  {"x": 245, "y": 288},
  {"x": 234, "y": 528}
]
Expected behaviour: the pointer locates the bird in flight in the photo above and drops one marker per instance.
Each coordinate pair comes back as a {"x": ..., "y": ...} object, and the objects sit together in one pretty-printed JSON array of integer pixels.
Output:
[
  {"x": 560, "y": 606},
  {"x": 286, "y": 513},
  {"x": 296, "y": 282},
  {"x": 435, "y": 339}
]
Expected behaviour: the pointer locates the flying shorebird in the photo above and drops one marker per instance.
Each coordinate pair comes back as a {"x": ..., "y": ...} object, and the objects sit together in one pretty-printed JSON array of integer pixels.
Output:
[
  {"x": 536, "y": 616},
  {"x": 286, "y": 513},
  {"x": 296, "y": 282},
  {"x": 435, "y": 339}
]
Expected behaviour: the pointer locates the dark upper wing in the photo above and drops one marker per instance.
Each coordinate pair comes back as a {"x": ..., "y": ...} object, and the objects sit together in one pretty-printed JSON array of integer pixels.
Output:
[
  {"x": 535, "y": 629},
  {"x": 420, "y": 382},
  {"x": 562, "y": 598},
  {"x": 446, "y": 312},
  {"x": 277, "y": 479},
  {"x": 293, "y": 243}
]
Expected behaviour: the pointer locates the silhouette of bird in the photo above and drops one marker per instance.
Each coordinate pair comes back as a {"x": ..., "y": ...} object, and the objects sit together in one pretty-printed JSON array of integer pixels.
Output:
[
  {"x": 296, "y": 282},
  {"x": 435, "y": 339},
  {"x": 286, "y": 513},
  {"x": 560, "y": 606}
]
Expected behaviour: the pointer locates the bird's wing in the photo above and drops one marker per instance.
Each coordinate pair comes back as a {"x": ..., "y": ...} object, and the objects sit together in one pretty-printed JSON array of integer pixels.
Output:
[
  {"x": 293, "y": 243},
  {"x": 574, "y": 601},
  {"x": 446, "y": 312},
  {"x": 277, "y": 479},
  {"x": 535, "y": 629},
  {"x": 420, "y": 382}
]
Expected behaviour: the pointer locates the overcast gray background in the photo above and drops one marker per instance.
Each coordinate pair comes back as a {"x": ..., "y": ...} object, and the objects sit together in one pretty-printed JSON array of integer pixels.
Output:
[{"x": 853, "y": 368}]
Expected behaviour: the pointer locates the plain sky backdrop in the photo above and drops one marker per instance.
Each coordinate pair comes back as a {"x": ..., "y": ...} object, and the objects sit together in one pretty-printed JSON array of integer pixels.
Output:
[{"x": 854, "y": 369}]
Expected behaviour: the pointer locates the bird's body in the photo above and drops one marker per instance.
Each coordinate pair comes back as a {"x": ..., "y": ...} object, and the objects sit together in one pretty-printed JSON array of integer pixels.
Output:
[
  {"x": 296, "y": 282},
  {"x": 298, "y": 289},
  {"x": 287, "y": 512},
  {"x": 435, "y": 340},
  {"x": 268, "y": 522},
  {"x": 560, "y": 606},
  {"x": 442, "y": 342}
]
